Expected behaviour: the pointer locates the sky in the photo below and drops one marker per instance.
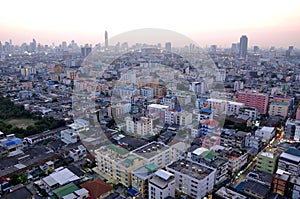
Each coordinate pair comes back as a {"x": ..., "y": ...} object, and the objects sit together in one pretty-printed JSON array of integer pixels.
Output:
[{"x": 222, "y": 22}]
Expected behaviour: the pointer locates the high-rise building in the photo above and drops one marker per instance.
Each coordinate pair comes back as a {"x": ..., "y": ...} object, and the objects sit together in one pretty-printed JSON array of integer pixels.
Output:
[
  {"x": 243, "y": 46},
  {"x": 106, "y": 39},
  {"x": 255, "y": 100},
  {"x": 168, "y": 46},
  {"x": 85, "y": 51}
]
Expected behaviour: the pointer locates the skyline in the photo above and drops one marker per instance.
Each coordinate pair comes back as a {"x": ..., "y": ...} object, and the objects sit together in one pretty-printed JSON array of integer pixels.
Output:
[{"x": 265, "y": 24}]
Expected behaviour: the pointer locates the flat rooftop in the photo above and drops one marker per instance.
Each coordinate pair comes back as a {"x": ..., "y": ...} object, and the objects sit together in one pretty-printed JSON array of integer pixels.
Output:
[
  {"x": 191, "y": 169},
  {"x": 150, "y": 150}
]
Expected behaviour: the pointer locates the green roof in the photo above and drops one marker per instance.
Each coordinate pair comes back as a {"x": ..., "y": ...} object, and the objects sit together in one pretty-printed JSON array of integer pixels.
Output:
[
  {"x": 129, "y": 160},
  {"x": 209, "y": 154},
  {"x": 118, "y": 150},
  {"x": 65, "y": 190},
  {"x": 151, "y": 167}
]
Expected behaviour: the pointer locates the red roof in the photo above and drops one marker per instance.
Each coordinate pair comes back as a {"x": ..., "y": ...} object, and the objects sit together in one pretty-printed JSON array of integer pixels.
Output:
[{"x": 97, "y": 188}]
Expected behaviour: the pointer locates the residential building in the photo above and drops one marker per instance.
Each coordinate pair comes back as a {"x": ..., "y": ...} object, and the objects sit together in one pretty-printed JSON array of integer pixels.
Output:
[
  {"x": 204, "y": 114},
  {"x": 158, "y": 109},
  {"x": 298, "y": 113},
  {"x": 115, "y": 164},
  {"x": 97, "y": 188},
  {"x": 213, "y": 160},
  {"x": 209, "y": 127},
  {"x": 279, "y": 109},
  {"x": 281, "y": 181},
  {"x": 11, "y": 145},
  {"x": 267, "y": 161},
  {"x": 210, "y": 140},
  {"x": 155, "y": 152},
  {"x": 254, "y": 99},
  {"x": 292, "y": 129},
  {"x": 267, "y": 133},
  {"x": 237, "y": 158},
  {"x": 61, "y": 176},
  {"x": 162, "y": 185},
  {"x": 191, "y": 178},
  {"x": 140, "y": 178},
  {"x": 226, "y": 193},
  {"x": 289, "y": 161},
  {"x": 142, "y": 126},
  {"x": 256, "y": 190},
  {"x": 147, "y": 92},
  {"x": 184, "y": 118},
  {"x": 261, "y": 177},
  {"x": 77, "y": 153},
  {"x": 69, "y": 136},
  {"x": 254, "y": 142}
]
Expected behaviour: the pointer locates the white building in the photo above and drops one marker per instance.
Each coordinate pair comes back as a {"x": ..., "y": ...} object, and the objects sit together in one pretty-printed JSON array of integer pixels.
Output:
[
  {"x": 147, "y": 92},
  {"x": 162, "y": 185},
  {"x": 193, "y": 179},
  {"x": 59, "y": 177},
  {"x": 234, "y": 107},
  {"x": 69, "y": 136},
  {"x": 290, "y": 161},
  {"x": 292, "y": 129},
  {"x": 77, "y": 153},
  {"x": 184, "y": 118},
  {"x": 267, "y": 133},
  {"x": 156, "y": 153}
]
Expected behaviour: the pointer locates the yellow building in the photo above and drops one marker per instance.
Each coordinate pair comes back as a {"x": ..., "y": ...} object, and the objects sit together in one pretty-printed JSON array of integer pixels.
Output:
[{"x": 115, "y": 164}]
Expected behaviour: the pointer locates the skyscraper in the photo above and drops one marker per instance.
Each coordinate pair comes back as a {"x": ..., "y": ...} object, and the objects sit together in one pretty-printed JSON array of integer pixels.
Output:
[
  {"x": 106, "y": 39},
  {"x": 168, "y": 46},
  {"x": 243, "y": 46}
]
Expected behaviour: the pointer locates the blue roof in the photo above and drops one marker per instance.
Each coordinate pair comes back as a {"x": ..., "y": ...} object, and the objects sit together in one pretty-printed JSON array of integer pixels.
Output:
[
  {"x": 13, "y": 141},
  {"x": 293, "y": 151},
  {"x": 206, "y": 110}
]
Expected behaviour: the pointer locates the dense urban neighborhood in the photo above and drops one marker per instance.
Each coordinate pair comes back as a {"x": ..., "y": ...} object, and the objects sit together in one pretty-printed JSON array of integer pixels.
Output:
[{"x": 149, "y": 121}]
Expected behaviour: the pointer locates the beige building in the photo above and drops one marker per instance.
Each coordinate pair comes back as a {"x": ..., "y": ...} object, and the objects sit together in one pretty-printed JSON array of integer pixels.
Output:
[
  {"x": 142, "y": 127},
  {"x": 115, "y": 164},
  {"x": 279, "y": 108}
]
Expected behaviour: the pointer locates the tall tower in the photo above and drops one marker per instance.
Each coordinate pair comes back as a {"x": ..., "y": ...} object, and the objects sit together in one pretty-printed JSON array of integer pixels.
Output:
[
  {"x": 106, "y": 39},
  {"x": 243, "y": 46},
  {"x": 168, "y": 46}
]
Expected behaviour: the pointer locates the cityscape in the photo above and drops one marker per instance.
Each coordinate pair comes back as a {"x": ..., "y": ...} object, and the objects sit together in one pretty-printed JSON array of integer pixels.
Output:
[{"x": 149, "y": 114}]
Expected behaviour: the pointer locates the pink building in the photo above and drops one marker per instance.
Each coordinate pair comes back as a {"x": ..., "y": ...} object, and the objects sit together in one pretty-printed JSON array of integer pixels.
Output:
[
  {"x": 298, "y": 113},
  {"x": 254, "y": 99},
  {"x": 209, "y": 141}
]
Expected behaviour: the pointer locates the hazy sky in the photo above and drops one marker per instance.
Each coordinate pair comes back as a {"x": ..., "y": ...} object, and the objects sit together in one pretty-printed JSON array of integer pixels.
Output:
[{"x": 221, "y": 22}]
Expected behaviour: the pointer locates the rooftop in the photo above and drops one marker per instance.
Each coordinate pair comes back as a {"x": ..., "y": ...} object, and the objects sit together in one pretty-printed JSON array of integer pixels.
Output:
[
  {"x": 150, "y": 150},
  {"x": 162, "y": 178},
  {"x": 191, "y": 169},
  {"x": 146, "y": 171},
  {"x": 65, "y": 190},
  {"x": 229, "y": 194}
]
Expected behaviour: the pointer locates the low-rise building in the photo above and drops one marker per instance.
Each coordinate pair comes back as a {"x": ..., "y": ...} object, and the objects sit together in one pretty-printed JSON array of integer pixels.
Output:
[
  {"x": 289, "y": 161},
  {"x": 267, "y": 133},
  {"x": 280, "y": 182},
  {"x": 162, "y": 185},
  {"x": 279, "y": 109},
  {"x": 292, "y": 129},
  {"x": 191, "y": 178},
  {"x": 69, "y": 136},
  {"x": 226, "y": 193},
  {"x": 115, "y": 164},
  {"x": 140, "y": 178},
  {"x": 156, "y": 153},
  {"x": 267, "y": 161}
]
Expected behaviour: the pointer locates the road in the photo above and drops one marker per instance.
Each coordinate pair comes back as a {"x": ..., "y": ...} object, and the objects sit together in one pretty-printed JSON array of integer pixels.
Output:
[{"x": 242, "y": 174}]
